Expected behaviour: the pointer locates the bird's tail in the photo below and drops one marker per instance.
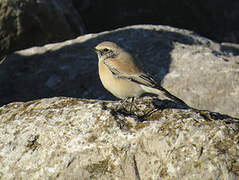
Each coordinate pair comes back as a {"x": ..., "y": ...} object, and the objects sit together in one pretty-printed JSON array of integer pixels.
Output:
[
  {"x": 159, "y": 90},
  {"x": 169, "y": 95}
]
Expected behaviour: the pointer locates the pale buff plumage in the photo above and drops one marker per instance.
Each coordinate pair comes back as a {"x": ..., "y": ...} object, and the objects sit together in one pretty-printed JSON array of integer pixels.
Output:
[{"x": 120, "y": 74}]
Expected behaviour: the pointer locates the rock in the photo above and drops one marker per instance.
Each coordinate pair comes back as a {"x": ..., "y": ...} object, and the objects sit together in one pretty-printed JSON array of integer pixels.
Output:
[
  {"x": 26, "y": 23},
  {"x": 201, "y": 72},
  {"x": 69, "y": 138},
  {"x": 214, "y": 19}
]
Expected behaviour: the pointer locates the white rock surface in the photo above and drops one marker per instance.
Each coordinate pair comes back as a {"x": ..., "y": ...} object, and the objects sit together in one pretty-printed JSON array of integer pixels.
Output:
[{"x": 68, "y": 138}]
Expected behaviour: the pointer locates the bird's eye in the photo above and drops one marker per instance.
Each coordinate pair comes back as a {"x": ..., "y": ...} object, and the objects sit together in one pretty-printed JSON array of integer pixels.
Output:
[{"x": 106, "y": 50}]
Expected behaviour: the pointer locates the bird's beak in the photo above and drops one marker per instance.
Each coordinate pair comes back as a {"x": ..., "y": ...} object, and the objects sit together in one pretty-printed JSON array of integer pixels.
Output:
[
  {"x": 98, "y": 52},
  {"x": 95, "y": 50},
  {"x": 92, "y": 49}
]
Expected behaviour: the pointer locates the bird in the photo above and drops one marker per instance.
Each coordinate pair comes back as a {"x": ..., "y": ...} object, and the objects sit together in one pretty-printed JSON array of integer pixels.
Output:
[{"x": 121, "y": 74}]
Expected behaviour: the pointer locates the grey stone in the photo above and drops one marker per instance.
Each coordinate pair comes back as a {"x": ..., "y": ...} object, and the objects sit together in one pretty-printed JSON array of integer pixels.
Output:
[{"x": 201, "y": 72}]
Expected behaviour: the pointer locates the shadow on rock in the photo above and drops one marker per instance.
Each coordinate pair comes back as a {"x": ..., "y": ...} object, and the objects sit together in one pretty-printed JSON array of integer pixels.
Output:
[{"x": 69, "y": 69}]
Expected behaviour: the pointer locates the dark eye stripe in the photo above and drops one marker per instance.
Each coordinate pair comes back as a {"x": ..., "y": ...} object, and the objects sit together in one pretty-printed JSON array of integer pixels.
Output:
[
  {"x": 108, "y": 53},
  {"x": 106, "y": 50}
]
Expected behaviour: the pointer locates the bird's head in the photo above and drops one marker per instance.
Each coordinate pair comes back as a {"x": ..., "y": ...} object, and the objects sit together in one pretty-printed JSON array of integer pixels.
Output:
[{"x": 107, "y": 50}]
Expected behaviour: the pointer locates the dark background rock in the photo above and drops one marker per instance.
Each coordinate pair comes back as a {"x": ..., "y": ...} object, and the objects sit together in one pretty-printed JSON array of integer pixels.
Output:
[
  {"x": 215, "y": 19},
  {"x": 26, "y": 23}
]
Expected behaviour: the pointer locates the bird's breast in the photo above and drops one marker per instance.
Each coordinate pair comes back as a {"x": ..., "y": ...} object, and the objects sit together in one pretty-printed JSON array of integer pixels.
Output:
[{"x": 121, "y": 88}]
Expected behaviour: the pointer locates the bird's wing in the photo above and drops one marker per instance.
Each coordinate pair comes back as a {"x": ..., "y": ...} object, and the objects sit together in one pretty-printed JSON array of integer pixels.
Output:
[
  {"x": 131, "y": 73},
  {"x": 137, "y": 76}
]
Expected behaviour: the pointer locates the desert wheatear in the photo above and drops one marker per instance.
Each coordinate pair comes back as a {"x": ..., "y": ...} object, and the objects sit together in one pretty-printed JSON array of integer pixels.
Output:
[{"x": 121, "y": 75}]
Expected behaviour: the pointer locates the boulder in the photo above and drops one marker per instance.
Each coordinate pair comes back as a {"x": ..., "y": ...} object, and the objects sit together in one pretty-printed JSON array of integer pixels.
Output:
[
  {"x": 201, "y": 72},
  {"x": 69, "y": 138},
  {"x": 214, "y": 19},
  {"x": 26, "y": 23}
]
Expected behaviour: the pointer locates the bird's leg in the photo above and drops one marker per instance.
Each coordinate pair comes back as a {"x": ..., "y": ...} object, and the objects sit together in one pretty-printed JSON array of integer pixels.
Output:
[
  {"x": 118, "y": 107},
  {"x": 131, "y": 104},
  {"x": 122, "y": 102}
]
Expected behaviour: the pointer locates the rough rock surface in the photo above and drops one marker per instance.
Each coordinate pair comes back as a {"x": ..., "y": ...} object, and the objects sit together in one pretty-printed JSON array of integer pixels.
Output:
[
  {"x": 69, "y": 138},
  {"x": 26, "y": 23},
  {"x": 201, "y": 72}
]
